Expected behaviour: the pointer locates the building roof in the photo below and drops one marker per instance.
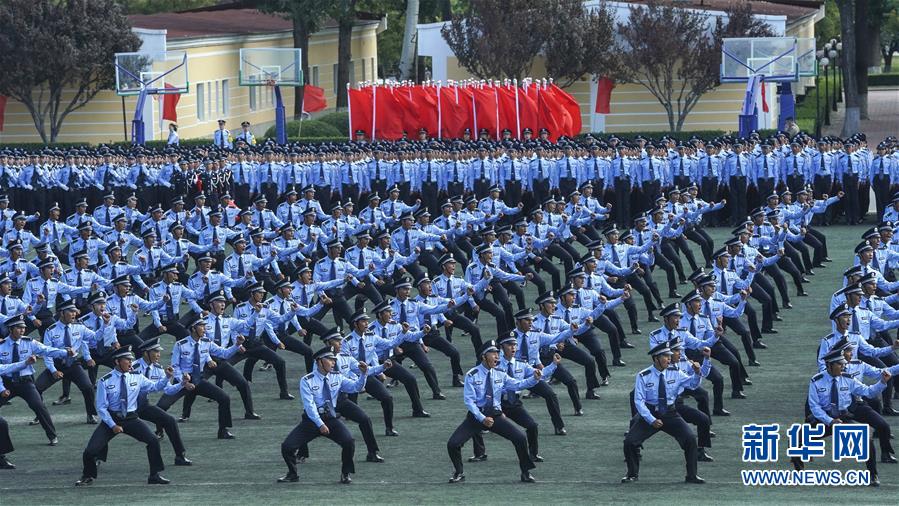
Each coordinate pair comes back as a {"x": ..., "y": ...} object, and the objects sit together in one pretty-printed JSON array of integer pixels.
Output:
[
  {"x": 791, "y": 9},
  {"x": 217, "y": 23}
]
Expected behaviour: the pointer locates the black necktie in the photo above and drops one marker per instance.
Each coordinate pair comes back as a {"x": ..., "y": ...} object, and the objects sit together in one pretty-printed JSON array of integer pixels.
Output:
[
  {"x": 15, "y": 358},
  {"x": 663, "y": 394},
  {"x": 834, "y": 399},
  {"x": 360, "y": 355},
  {"x": 488, "y": 392}
]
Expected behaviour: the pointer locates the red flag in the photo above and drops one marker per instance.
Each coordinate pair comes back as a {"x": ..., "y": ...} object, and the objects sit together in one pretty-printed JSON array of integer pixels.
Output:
[
  {"x": 527, "y": 109},
  {"x": 170, "y": 105},
  {"x": 466, "y": 104},
  {"x": 361, "y": 110},
  {"x": 388, "y": 114},
  {"x": 2, "y": 110},
  {"x": 572, "y": 108},
  {"x": 764, "y": 100},
  {"x": 314, "y": 99},
  {"x": 425, "y": 98},
  {"x": 550, "y": 114},
  {"x": 453, "y": 113},
  {"x": 409, "y": 111},
  {"x": 604, "y": 95},
  {"x": 508, "y": 112},
  {"x": 485, "y": 108}
]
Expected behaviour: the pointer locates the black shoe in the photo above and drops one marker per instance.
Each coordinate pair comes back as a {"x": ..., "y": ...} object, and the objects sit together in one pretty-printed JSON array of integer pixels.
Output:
[
  {"x": 592, "y": 395},
  {"x": 84, "y": 481},
  {"x": 653, "y": 318},
  {"x": 289, "y": 478},
  {"x": 537, "y": 458},
  {"x": 737, "y": 395},
  {"x": 627, "y": 345},
  {"x": 374, "y": 457},
  {"x": 579, "y": 412},
  {"x": 747, "y": 382},
  {"x": 35, "y": 421},
  {"x": 457, "y": 381},
  {"x": 618, "y": 363},
  {"x": 875, "y": 482},
  {"x": 694, "y": 479},
  {"x": 181, "y": 460},
  {"x": 778, "y": 318},
  {"x": 286, "y": 396},
  {"x": 224, "y": 434},
  {"x": 802, "y": 294},
  {"x": 345, "y": 479},
  {"x": 635, "y": 331},
  {"x": 457, "y": 477},
  {"x": 391, "y": 433},
  {"x": 770, "y": 331},
  {"x": 160, "y": 434},
  {"x": 805, "y": 280},
  {"x": 827, "y": 259},
  {"x": 788, "y": 305},
  {"x": 91, "y": 420},
  {"x": 604, "y": 382},
  {"x": 251, "y": 416},
  {"x": 759, "y": 345},
  {"x": 478, "y": 458},
  {"x": 888, "y": 459},
  {"x": 527, "y": 478},
  {"x": 798, "y": 464},
  {"x": 421, "y": 414},
  {"x": 157, "y": 479},
  {"x": 5, "y": 464},
  {"x": 628, "y": 479},
  {"x": 754, "y": 363},
  {"x": 809, "y": 272},
  {"x": 704, "y": 457},
  {"x": 53, "y": 442},
  {"x": 712, "y": 434},
  {"x": 63, "y": 399},
  {"x": 674, "y": 295},
  {"x": 184, "y": 419},
  {"x": 889, "y": 411},
  {"x": 721, "y": 412},
  {"x": 438, "y": 397}
]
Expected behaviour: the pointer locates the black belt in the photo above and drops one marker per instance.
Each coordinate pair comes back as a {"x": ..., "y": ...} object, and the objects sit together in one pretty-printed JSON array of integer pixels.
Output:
[
  {"x": 23, "y": 378},
  {"x": 490, "y": 411},
  {"x": 117, "y": 417}
]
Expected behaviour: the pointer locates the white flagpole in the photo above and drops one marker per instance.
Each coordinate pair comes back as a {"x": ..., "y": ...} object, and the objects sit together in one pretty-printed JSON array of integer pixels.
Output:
[
  {"x": 439, "y": 112},
  {"x": 517, "y": 113},
  {"x": 374, "y": 110},
  {"x": 349, "y": 110}
]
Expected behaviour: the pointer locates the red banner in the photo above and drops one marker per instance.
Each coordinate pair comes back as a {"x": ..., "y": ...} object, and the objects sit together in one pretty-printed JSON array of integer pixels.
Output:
[
  {"x": 407, "y": 109},
  {"x": 527, "y": 109},
  {"x": 388, "y": 115},
  {"x": 170, "y": 105},
  {"x": 425, "y": 99},
  {"x": 508, "y": 112},
  {"x": 485, "y": 110},
  {"x": 573, "y": 125},
  {"x": 550, "y": 114},
  {"x": 454, "y": 115},
  {"x": 604, "y": 95},
  {"x": 361, "y": 110},
  {"x": 314, "y": 99}
]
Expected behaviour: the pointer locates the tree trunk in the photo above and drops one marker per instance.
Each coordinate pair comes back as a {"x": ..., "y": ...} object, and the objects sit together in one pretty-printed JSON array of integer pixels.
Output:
[
  {"x": 344, "y": 54},
  {"x": 407, "y": 57},
  {"x": 850, "y": 85},
  {"x": 862, "y": 56},
  {"x": 446, "y": 10},
  {"x": 886, "y": 52},
  {"x": 300, "y": 40}
]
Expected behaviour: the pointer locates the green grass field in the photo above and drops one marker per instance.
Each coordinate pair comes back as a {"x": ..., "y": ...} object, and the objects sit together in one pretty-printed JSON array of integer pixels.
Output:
[{"x": 583, "y": 467}]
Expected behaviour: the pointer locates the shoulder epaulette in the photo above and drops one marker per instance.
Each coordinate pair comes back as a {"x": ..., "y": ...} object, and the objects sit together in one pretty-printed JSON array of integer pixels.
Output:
[
  {"x": 646, "y": 371},
  {"x": 856, "y": 361},
  {"x": 846, "y": 375},
  {"x": 473, "y": 371},
  {"x": 182, "y": 341},
  {"x": 206, "y": 339},
  {"x": 654, "y": 332},
  {"x": 308, "y": 376},
  {"x": 818, "y": 376},
  {"x": 106, "y": 376}
]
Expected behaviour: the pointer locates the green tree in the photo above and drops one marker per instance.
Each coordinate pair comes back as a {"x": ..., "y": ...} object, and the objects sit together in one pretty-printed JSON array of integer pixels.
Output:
[
  {"x": 581, "y": 42},
  {"x": 889, "y": 39},
  {"x": 51, "y": 48}
]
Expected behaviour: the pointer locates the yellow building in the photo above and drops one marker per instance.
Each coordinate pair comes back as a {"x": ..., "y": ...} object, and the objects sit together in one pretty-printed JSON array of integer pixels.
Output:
[
  {"x": 633, "y": 108},
  {"x": 212, "y": 40}
]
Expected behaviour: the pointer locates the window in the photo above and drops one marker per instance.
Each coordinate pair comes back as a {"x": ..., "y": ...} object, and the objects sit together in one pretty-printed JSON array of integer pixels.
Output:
[
  {"x": 253, "y": 90},
  {"x": 364, "y": 77},
  {"x": 201, "y": 102},
  {"x": 335, "y": 79},
  {"x": 218, "y": 97},
  {"x": 374, "y": 70},
  {"x": 210, "y": 98},
  {"x": 352, "y": 74},
  {"x": 315, "y": 76},
  {"x": 225, "y": 95}
]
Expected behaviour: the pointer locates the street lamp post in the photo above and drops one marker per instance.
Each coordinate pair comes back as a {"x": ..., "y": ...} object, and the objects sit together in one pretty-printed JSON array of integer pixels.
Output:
[
  {"x": 835, "y": 64},
  {"x": 832, "y": 52},
  {"x": 825, "y": 61},
  {"x": 817, "y": 96}
]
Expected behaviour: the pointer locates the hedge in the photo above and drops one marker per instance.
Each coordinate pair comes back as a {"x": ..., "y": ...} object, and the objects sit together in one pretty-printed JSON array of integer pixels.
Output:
[
  {"x": 883, "y": 80},
  {"x": 308, "y": 128},
  {"x": 339, "y": 120}
]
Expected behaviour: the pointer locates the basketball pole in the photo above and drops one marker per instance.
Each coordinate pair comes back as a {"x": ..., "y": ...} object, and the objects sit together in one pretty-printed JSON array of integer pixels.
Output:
[{"x": 280, "y": 117}]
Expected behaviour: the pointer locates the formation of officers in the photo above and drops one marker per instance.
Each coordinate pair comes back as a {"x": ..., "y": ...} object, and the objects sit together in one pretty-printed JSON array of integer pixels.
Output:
[{"x": 241, "y": 254}]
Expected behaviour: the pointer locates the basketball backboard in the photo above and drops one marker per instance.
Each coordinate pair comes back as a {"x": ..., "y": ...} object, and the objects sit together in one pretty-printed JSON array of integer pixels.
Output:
[
  {"x": 160, "y": 73},
  {"x": 270, "y": 66},
  {"x": 774, "y": 58},
  {"x": 805, "y": 55}
]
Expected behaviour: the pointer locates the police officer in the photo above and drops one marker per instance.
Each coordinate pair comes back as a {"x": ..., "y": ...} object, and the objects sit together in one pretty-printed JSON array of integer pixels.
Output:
[
  {"x": 655, "y": 391},
  {"x": 319, "y": 391},
  {"x": 148, "y": 367},
  {"x": 5, "y": 442},
  {"x": 21, "y": 383},
  {"x": 831, "y": 395},
  {"x": 117, "y": 404},
  {"x": 482, "y": 394}
]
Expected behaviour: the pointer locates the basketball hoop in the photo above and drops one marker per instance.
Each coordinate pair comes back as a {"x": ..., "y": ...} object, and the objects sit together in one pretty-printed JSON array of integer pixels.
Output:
[{"x": 270, "y": 82}]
